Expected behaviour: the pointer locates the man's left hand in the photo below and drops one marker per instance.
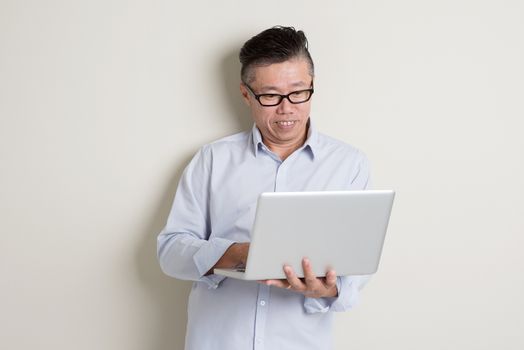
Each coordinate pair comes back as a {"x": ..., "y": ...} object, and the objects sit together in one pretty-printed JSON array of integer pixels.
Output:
[{"x": 310, "y": 285}]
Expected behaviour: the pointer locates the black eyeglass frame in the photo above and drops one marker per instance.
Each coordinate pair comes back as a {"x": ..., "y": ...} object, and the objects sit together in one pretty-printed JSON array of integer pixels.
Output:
[{"x": 311, "y": 90}]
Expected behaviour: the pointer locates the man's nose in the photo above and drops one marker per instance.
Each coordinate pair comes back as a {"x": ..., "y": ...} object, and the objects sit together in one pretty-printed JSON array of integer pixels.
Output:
[{"x": 284, "y": 107}]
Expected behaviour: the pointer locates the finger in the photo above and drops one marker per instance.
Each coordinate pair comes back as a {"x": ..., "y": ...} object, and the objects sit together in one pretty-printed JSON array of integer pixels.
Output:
[
  {"x": 331, "y": 279},
  {"x": 309, "y": 276},
  {"x": 276, "y": 283},
  {"x": 292, "y": 279}
]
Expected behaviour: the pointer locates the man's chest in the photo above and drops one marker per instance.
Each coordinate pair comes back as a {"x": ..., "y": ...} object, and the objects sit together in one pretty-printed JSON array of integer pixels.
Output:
[{"x": 234, "y": 190}]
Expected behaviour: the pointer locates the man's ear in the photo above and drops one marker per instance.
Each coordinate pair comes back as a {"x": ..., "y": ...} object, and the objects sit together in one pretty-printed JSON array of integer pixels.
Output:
[{"x": 245, "y": 94}]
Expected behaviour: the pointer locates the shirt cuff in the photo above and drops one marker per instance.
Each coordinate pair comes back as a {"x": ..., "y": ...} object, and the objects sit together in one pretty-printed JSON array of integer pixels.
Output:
[
  {"x": 207, "y": 256},
  {"x": 348, "y": 288}
]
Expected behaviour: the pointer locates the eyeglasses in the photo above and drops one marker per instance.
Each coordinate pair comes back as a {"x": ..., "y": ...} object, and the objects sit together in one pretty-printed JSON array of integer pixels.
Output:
[{"x": 295, "y": 97}]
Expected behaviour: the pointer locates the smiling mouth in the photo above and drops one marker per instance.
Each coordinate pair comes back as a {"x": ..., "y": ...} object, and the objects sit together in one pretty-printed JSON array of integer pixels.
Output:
[{"x": 286, "y": 122}]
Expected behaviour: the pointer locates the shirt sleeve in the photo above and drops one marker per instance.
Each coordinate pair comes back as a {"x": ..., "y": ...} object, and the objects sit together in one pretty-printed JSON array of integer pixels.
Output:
[
  {"x": 184, "y": 247},
  {"x": 348, "y": 295},
  {"x": 348, "y": 287}
]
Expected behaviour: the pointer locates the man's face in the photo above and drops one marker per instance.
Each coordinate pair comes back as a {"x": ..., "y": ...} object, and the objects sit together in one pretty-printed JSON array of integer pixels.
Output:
[{"x": 284, "y": 124}]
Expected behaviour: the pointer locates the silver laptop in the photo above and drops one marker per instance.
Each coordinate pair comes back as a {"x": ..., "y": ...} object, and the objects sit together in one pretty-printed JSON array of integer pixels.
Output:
[{"x": 340, "y": 230}]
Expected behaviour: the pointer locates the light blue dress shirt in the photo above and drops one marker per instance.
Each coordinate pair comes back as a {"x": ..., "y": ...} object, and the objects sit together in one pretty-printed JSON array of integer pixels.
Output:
[{"x": 214, "y": 207}]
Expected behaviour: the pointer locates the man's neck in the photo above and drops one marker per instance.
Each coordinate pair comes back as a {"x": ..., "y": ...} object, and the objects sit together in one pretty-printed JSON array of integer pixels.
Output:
[{"x": 285, "y": 150}]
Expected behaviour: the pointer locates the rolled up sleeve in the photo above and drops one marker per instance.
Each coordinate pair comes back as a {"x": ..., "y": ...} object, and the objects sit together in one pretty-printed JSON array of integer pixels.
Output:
[{"x": 184, "y": 247}]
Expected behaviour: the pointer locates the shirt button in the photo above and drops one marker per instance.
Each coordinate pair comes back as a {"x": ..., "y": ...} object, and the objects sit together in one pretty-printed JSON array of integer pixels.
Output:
[
  {"x": 262, "y": 302},
  {"x": 259, "y": 340}
]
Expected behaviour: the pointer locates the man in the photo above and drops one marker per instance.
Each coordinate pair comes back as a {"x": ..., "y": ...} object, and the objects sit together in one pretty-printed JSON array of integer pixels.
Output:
[{"x": 213, "y": 211}]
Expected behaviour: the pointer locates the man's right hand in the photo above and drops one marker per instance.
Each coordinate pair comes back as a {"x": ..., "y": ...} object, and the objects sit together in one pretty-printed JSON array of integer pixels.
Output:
[{"x": 235, "y": 256}]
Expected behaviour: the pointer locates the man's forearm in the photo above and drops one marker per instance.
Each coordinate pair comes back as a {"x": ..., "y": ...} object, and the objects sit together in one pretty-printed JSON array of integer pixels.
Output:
[{"x": 235, "y": 256}]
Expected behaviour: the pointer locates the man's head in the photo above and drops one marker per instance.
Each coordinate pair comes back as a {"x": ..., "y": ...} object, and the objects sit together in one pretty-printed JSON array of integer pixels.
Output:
[
  {"x": 273, "y": 45},
  {"x": 277, "y": 84}
]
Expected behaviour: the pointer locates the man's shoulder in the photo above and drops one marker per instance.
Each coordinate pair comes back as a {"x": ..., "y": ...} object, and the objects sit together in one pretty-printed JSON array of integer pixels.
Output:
[
  {"x": 331, "y": 144},
  {"x": 227, "y": 143}
]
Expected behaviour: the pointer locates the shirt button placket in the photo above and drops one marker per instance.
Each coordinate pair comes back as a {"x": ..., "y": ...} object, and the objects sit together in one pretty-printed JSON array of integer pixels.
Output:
[
  {"x": 280, "y": 178},
  {"x": 261, "y": 317}
]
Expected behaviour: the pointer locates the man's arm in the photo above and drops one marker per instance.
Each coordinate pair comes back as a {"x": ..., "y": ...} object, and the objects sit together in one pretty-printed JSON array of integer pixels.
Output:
[
  {"x": 184, "y": 247},
  {"x": 235, "y": 256}
]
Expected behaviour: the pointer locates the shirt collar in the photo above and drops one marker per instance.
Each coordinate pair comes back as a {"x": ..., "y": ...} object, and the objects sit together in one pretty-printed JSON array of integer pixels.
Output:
[{"x": 310, "y": 144}]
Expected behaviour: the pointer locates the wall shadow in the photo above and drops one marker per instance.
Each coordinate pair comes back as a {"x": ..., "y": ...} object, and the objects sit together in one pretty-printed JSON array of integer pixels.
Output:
[
  {"x": 228, "y": 72},
  {"x": 169, "y": 295}
]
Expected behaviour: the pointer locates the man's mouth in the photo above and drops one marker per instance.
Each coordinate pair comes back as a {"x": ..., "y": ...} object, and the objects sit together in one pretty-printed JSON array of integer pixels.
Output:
[{"x": 286, "y": 122}]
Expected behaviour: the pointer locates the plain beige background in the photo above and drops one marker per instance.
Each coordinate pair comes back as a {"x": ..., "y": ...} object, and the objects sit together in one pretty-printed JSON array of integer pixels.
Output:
[{"x": 103, "y": 103}]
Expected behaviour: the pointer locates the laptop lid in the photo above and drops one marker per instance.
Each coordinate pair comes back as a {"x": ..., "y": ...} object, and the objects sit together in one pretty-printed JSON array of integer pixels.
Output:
[{"x": 340, "y": 230}]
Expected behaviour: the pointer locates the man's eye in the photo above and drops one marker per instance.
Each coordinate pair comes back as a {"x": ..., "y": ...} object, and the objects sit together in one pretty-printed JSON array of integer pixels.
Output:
[{"x": 299, "y": 93}]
